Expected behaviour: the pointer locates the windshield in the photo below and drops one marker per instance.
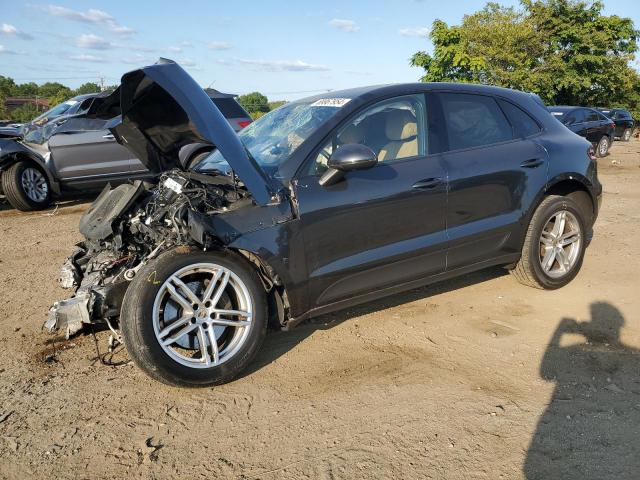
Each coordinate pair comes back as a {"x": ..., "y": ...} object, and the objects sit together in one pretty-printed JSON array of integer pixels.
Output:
[
  {"x": 274, "y": 137},
  {"x": 56, "y": 111}
]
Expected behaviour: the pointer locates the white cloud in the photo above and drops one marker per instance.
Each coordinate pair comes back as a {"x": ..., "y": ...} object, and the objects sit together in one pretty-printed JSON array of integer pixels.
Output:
[
  {"x": 89, "y": 40},
  {"x": 187, "y": 62},
  {"x": 86, "y": 58},
  {"x": 348, "y": 26},
  {"x": 137, "y": 60},
  {"x": 94, "y": 16},
  {"x": 414, "y": 32},
  {"x": 174, "y": 49},
  {"x": 13, "y": 31},
  {"x": 6, "y": 51},
  {"x": 219, "y": 46},
  {"x": 277, "y": 65}
]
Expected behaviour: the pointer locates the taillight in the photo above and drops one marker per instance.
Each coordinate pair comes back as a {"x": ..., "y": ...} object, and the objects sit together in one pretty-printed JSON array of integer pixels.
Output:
[
  {"x": 243, "y": 123},
  {"x": 592, "y": 153}
]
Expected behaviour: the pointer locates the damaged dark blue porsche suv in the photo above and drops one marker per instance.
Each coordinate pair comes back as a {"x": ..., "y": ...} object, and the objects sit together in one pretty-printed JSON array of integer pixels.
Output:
[{"x": 323, "y": 203}]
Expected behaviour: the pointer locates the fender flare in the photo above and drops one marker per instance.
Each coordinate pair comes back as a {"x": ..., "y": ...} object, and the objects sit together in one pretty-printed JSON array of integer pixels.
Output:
[
  {"x": 12, "y": 152},
  {"x": 571, "y": 176}
]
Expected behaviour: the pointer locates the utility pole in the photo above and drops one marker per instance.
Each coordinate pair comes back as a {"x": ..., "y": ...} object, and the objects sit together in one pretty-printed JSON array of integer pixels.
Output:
[{"x": 101, "y": 84}]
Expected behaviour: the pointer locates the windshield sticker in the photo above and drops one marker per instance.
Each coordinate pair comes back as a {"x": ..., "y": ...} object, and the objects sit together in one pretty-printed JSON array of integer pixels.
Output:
[
  {"x": 331, "y": 102},
  {"x": 557, "y": 114}
]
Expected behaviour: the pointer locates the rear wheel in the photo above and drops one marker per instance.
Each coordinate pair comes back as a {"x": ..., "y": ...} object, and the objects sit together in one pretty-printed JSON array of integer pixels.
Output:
[
  {"x": 603, "y": 147},
  {"x": 192, "y": 318},
  {"x": 554, "y": 245},
  {"x": 26, "y": 186},
  {"x": 626, "y": 135}
]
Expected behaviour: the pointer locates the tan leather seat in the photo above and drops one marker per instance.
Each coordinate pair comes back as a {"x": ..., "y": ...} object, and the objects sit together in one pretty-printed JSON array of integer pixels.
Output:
[
  {"x": 402, "y": 130},
  {"x": 351, "y": 134}
]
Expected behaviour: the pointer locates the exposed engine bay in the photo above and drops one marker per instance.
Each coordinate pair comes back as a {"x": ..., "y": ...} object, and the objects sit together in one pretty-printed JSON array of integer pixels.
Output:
[{"x": 126, "y": 227}]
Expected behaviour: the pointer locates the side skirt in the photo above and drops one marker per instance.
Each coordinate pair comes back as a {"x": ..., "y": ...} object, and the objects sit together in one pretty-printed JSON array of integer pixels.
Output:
[{"x": 420, "y": 282}]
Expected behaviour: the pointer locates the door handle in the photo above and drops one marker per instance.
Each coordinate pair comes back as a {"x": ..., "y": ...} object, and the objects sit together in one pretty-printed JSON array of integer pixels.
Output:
[
  {"x": 532, "y": 163},
  {"x": 108, "y": 136},
  {"x": 427, "y": 183}
]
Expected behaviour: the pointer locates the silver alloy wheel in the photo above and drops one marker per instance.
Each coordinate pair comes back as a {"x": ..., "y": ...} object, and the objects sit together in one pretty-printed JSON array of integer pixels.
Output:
[
  {"x": 34, "y": 184},
  {"x": 626, "y": 135},
  {"x": 202, "y": 315},
  {"x": 604, "y": 146},
  {"x": 560, "y": 244}
]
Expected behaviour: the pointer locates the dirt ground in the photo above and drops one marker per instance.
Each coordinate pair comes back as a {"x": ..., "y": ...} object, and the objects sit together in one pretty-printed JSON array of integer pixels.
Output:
[{"x": 479, "y": 377}]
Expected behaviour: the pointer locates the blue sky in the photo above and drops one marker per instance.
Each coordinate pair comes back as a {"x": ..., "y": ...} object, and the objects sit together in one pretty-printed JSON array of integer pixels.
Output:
[{"x": 284, "y": 49}]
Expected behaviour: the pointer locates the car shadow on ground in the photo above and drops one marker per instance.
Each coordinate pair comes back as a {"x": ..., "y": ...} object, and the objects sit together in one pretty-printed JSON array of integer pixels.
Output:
[
  {"x": 279, "y": 343},
  {"x": 591, "y": 427}
]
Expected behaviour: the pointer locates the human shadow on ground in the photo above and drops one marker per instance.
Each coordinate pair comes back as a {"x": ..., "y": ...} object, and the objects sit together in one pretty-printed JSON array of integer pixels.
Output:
[{"x": 591, "y": 427}]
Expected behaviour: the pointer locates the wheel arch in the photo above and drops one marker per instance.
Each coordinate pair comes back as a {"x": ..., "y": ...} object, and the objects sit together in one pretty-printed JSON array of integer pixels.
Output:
[
  {"x": 574, "y": 184},
  {"x": 577, "y": 187},
  {"x": 274, "y": 287},
  {"x": 14, "y": 155}
]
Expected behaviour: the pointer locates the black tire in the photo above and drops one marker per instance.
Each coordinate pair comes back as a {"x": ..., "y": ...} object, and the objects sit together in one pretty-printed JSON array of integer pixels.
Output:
[
  {"x": 602, "y": 149},
  {"x": 626, "y": 135},
  {"x": 136, "y": 320},
  {"x": 528, "y": 270},
  {"x": 15, "y": 192}
]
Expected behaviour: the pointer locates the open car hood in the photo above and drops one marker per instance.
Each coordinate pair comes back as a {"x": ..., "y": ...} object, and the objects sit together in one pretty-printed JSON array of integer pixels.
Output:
[{"x": 162, "y": 110}]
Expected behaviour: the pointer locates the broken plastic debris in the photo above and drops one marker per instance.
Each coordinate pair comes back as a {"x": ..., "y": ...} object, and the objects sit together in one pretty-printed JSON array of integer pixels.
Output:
[{"x": 69, "y": 315}]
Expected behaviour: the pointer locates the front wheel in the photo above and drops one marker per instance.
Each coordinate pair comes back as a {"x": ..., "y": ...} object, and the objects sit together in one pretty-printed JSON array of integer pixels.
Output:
[
  {"x": 191, "y": 318},
  {"x": 26, "y": 186},
  {"x": 554, "y": 245},
  {"x": 603, "y": 147}
]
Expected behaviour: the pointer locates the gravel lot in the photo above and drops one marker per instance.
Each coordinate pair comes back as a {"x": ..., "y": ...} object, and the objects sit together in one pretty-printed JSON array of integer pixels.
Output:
[{"x": 474, "y": 378}]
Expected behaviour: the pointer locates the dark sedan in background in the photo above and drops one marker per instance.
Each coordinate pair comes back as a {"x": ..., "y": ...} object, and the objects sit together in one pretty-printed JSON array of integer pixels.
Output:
[
  {"x": 61, "y": 153},
  {"x": 623, "y": 120},
  {"x": 588, "y": 123}
]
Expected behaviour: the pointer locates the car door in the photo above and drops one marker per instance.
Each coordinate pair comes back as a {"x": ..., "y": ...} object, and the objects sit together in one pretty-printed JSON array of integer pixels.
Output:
[
  {"x": 576, "y": 122},
  {"x": 496, "y": 168},
  {"x": 89, "y": 158},
  {"x": 596, "y": 125},
  {"x": 381, "y": 227}
]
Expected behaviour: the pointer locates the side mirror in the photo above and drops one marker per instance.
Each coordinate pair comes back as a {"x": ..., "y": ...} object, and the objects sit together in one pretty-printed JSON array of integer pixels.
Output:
[{"x": 346, "y": 158}]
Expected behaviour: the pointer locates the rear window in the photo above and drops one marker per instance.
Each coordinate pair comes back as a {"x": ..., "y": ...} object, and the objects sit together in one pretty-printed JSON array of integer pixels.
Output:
[
  {"x": 523, "y": 124},
  {"x": 474, "y": 120},
  {"x": 593, "y": 116},
  {"x": 620, "y": 114},
  {"x": 229, "y": 108}
]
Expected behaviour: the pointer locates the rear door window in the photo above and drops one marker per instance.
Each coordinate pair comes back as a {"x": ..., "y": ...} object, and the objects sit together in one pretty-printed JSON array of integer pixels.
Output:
[
  {"x": 592, "y": 116},
  {"x": 473, "y": 121},
  {"x": 523, "y": 124},
  {"x": 230, "y": 108},
  {"x": 577, "y": 116}
]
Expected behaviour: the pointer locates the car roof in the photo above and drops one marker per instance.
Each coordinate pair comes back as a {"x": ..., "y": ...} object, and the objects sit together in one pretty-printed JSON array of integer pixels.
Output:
[
  {"x": 84, "y": 96},
  {"x": 564, "y": 108},
  {"x": 213, "y": 93},
  {"x": 400, "y": 88}
]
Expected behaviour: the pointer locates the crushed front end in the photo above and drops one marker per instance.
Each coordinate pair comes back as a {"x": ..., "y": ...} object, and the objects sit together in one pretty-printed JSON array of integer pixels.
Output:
[{"x": 126, "y": 227}]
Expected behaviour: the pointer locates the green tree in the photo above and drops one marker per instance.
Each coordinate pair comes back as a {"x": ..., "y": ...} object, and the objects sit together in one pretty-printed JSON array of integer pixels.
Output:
[
  {"x": 88, "y": 87},
  {"x": 3, "y": 110},
  {"x": 276, "y": 104},
  {"x": 566, "y": 51},
  {"x": 25, "y": 113},
  {"x": 254, "y": 102},
  {"x": 26, "y": 89},
  {"x": 7, "y": 86}
]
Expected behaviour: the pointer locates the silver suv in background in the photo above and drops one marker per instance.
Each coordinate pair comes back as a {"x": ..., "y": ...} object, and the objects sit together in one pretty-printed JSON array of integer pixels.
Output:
[{"x": 71, "y": 155}]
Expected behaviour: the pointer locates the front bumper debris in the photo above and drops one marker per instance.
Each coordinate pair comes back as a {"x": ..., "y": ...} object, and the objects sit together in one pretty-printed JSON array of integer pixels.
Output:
[{"x": 69, "y": 315}]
